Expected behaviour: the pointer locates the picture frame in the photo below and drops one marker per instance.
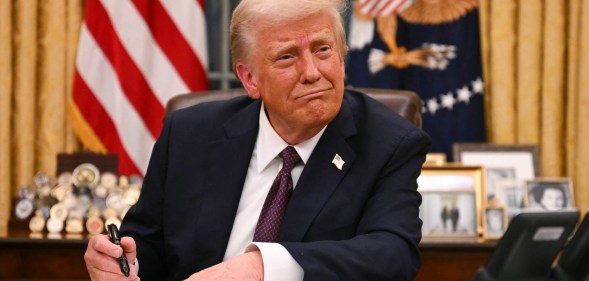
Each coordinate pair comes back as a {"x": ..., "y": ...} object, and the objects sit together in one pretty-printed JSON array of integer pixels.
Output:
[
  {"x": 508, "y": 167},
  {"x": 451, "y": 202},
  {"x": 435, "y": 159},
  {"x": 509, "y": 193},
  {"x": 495, "y": 222},
  {"x": 549, "y": 194}
]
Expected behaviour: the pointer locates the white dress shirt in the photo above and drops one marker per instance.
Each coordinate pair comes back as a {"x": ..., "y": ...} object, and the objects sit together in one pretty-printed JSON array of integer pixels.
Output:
[{"x": 263, "y": 168}]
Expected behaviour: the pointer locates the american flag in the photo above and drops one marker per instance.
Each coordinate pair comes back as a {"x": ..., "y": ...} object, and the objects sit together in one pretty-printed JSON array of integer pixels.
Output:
[
  {"x": 382, "y": 7},
  {"x": 133, "y": 55}
]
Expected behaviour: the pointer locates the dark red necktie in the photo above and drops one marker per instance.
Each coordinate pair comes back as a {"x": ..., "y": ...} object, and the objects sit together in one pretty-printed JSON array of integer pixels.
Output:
[{"x": 275, "y": 205}]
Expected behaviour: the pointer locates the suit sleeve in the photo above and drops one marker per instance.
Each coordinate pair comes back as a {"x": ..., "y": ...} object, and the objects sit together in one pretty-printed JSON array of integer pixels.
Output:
[
  {"x": 144, "y": 220},
  {"x": 386, "y": 243}
]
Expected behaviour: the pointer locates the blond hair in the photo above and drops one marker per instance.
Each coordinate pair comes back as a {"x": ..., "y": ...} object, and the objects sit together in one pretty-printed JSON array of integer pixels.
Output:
[{"x": 247, "y": 13}]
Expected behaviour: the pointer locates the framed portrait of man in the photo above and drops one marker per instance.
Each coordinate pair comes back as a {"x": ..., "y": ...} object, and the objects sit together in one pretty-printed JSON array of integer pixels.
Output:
[{"x": 549, "y": 194}]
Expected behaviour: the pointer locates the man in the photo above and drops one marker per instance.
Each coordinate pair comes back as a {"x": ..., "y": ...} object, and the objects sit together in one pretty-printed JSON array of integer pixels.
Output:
[{"x": 353, "y": 213}]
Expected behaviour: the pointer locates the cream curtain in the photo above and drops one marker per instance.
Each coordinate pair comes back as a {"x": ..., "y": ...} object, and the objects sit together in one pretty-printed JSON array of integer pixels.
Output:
[
  {"x": 536, "y": 70},
  {"x": 38, "y": 40}
]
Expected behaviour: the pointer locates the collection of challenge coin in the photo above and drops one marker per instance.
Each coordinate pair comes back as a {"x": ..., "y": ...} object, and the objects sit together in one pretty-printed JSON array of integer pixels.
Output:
[{"x": 82, "y": 199}]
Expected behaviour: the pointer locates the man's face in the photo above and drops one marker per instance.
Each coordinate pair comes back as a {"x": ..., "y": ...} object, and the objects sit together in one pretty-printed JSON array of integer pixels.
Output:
[
  {"x": 298, "y": 71},
  {"x": 553, "y": 199}
]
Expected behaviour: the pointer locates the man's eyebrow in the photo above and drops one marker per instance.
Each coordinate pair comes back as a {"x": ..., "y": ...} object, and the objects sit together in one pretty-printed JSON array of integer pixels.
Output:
[
  {"x": 282, "y": 47},
  {"x": 322, "y": 38},
  {"x": 315, "y": 39}
]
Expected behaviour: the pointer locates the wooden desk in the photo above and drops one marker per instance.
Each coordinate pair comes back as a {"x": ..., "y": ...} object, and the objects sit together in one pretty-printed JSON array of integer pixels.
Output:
[
  {"x": 44, "y": 258},
  {"x": 23, "y": 257},
  {"x": 452, "y": 261}
]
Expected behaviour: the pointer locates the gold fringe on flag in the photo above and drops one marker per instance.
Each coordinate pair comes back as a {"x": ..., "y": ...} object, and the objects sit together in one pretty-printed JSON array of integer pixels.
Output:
[{"x": 84, "y": 132}]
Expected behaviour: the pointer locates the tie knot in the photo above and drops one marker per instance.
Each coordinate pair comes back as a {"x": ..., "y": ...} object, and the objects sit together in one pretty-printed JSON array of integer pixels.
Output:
[{"x": 290, "y": 157}]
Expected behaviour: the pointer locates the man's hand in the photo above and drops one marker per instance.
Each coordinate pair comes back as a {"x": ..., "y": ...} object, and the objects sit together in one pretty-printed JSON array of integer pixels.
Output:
[
  {"x": 101, "y": 258},
  {"x": 248, "y": 266}
]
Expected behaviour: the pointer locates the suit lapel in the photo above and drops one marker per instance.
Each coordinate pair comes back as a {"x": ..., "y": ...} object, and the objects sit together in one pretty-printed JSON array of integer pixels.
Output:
[
  {"x": 320, "y": 177},
  {"x": 228, "y": 160}
]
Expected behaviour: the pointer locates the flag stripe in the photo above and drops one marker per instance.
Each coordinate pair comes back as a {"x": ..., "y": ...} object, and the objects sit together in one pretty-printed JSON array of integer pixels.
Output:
[
  {"x": 385, "y": 6},
  {"x": 133, "y": 56},
  {"x": 156, "y": 68},
  {"x": 130, "y": 78},
  {"x": 391, "y": 8},
  {"x": 173, "y": 43},
  {"x": 102, "y": 79},
  {"x": 367, "y": 6},
  {"x": 189, "y": 17},
  {"x": 364, "y": 3},
  {"x": 380, "y": 5},
  {"x": 101, "y": 123},
  {"x": 381, "y": 8}
]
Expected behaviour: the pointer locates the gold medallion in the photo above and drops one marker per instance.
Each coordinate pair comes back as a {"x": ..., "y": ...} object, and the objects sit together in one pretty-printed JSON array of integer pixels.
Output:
[{"x": 85, "y": 175}]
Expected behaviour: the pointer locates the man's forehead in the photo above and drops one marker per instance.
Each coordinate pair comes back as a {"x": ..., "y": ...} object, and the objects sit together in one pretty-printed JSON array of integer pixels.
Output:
[
  {"x": 296, "y": 30},
  {"x": 320, "y": 34}
]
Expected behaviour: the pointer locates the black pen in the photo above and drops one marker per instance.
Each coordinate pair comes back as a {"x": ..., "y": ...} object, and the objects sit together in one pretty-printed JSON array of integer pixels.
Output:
[{"x": 113, "y": 235}]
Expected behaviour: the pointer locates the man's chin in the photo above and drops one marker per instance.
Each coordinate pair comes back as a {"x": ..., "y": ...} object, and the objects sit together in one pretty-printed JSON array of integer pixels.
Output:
[{"x": 320, "y": 118}]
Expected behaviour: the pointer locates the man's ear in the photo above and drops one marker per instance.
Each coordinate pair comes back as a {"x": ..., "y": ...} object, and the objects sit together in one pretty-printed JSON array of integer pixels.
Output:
[{"x": 248, "y": 80}]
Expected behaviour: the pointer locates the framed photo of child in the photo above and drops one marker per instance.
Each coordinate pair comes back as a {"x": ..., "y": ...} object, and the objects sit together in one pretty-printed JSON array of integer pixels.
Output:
[{"x": 495, "y": 222}]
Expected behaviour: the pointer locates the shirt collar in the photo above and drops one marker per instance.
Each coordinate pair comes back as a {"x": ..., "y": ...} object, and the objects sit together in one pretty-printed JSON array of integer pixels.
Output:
[{"x": 270, "y": 144}]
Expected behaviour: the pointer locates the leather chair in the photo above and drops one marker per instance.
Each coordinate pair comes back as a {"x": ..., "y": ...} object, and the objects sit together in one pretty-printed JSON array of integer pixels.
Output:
[
  {"x": 573, "y": 264},
  {"x": 404, "y": 103}
]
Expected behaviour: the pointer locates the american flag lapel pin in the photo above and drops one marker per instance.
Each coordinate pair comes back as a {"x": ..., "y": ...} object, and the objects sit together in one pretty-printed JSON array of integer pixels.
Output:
[{"x": 338, "y": 161}]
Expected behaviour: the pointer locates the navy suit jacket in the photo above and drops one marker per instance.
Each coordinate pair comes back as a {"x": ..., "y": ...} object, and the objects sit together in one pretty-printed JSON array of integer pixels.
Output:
[{"x": 357, "y": 223}]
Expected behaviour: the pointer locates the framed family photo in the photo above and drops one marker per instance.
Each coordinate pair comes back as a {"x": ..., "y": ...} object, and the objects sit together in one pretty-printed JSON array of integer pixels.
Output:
[
  {"x": 451, "y": 202},
  {"x": 508, "y": 168},
  {"x": 549, "y": 194}
]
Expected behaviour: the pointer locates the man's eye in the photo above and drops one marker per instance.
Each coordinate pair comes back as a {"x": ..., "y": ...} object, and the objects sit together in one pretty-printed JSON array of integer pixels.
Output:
[
  {"x": 324, "y": 49},
  {"x": 284, "y": 57}
]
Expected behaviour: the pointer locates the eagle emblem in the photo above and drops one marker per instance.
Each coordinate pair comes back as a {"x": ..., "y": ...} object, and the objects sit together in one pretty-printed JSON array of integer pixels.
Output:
[{"x": 384, "y": 14}]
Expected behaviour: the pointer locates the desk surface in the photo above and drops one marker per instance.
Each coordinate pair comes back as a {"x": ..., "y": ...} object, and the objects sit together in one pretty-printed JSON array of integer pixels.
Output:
[{"x": 26, "y": 256}]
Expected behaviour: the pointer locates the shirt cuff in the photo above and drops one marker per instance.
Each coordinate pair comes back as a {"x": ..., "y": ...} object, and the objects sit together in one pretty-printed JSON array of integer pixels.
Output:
[{"x": 278, "y": 263}]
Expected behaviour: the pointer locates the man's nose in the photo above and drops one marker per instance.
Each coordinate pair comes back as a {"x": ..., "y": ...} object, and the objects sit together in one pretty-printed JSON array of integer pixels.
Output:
[{"x": 309, "y": 71}]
